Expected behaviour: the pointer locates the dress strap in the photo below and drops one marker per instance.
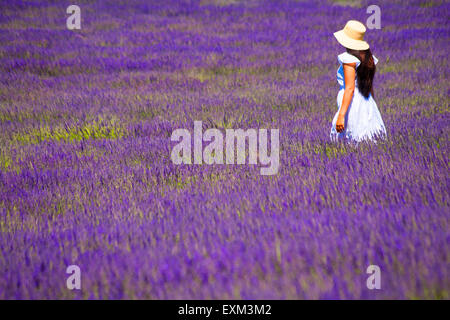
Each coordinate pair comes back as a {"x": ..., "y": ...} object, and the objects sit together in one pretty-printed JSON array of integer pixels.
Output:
[{"x": 375, "y": 60}]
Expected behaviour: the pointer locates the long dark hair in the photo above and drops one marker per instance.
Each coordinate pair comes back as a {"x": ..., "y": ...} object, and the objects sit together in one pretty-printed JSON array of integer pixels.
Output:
[{"x": 366, "y": 70}]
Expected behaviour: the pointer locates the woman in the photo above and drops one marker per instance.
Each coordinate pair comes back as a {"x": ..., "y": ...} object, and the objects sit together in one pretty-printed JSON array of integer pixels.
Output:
[{"x": 357, "y": 117}]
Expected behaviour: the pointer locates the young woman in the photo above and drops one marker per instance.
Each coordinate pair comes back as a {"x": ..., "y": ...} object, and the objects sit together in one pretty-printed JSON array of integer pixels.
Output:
[{"x": 357, "y": 117}]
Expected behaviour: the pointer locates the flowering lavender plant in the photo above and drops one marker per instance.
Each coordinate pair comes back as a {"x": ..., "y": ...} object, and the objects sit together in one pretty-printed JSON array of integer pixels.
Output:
[{"x": 86, "y": 178}]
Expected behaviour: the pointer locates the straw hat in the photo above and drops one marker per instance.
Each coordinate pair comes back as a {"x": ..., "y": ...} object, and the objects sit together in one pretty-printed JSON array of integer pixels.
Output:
[{"x": 352, "y": 36}]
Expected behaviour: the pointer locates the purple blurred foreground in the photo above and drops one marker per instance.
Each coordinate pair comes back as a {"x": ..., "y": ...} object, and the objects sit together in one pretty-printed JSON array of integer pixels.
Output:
[{"x": 86, "y": 176}]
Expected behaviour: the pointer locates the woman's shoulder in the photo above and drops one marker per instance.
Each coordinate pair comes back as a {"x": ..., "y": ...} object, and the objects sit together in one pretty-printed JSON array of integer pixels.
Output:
[{"x": 348, "y": 58}]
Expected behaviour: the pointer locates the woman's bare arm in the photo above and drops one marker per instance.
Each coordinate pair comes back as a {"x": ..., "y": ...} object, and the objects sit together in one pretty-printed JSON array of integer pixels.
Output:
[{"x": 349, "y": 78}]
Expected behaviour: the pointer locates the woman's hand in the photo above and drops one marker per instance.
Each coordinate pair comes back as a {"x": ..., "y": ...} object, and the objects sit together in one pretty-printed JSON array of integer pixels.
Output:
[{"x": 340, "y": 123}]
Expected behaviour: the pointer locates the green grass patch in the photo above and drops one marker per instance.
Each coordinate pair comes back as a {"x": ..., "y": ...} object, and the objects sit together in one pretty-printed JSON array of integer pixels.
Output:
[{"x": 98, "y": 129}]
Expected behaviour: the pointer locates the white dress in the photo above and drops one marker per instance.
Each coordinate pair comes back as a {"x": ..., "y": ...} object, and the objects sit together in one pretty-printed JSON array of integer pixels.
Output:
[{"x": 363, "y": 119}]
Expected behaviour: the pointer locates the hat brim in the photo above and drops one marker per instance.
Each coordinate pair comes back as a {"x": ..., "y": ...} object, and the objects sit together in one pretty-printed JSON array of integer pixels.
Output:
[{"x": 350, "y": 43}]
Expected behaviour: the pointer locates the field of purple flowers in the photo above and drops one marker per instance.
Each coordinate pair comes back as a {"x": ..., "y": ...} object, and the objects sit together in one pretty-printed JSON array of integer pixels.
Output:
[{"x": 86, "y": 176}]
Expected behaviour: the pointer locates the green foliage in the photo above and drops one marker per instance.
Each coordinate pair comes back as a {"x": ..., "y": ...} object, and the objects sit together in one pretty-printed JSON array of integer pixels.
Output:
[{"x": 98, "y": 129}]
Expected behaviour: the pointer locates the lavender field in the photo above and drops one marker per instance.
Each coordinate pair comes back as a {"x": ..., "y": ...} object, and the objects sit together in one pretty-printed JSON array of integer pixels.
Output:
[{"x": 86, "y": 176}]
